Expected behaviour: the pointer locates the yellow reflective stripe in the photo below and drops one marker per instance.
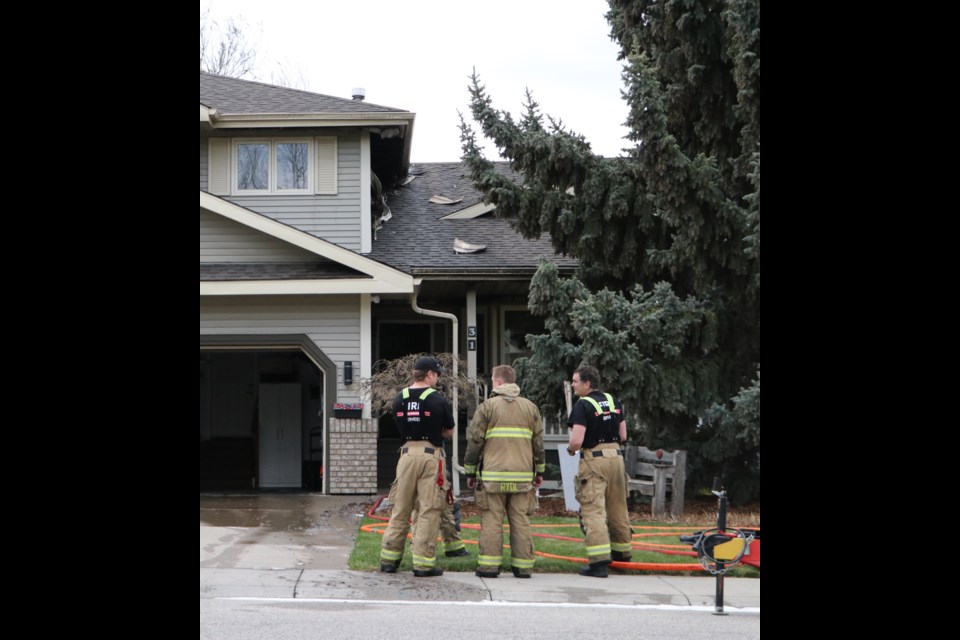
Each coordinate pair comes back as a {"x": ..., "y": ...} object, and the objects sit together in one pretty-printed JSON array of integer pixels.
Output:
[
  {"x": 387, "y": 554},
  {"x": 470, "y": 469},
  {"x": 509, "y": 432},
  {"x": 598, "y": 550},
  {"x": 521, "y": 563},
  {"x": 541, "y": 468},
  {"x": 454, "y": 546},
  {"x": 595, "y": 404},
  {"x": 621, "y": 546},
  {"x": 505, "y": 476},
  {"x": 489, "y": 561},
  {"x": 406, "y": 393},
  {"x": 425, "y": 561}
]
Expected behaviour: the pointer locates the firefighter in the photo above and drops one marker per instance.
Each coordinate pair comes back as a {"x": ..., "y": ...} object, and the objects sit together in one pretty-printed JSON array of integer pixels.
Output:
[
  {"x": 504, "y": 463},
  {"x": 449, "y": 526},
  {"x": 597, "y": 427},
  {"x": 425, "y": 419}
]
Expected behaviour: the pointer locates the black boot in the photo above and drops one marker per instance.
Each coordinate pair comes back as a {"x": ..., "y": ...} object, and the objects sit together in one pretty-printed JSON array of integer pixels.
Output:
[
  {"x": 598, "y": 570},
  {"x": 388, "y": 568},
  {"x": 428, "y": 573},
  {"x": 620, "y": 556},
  {"x": 492, "y": 573}
]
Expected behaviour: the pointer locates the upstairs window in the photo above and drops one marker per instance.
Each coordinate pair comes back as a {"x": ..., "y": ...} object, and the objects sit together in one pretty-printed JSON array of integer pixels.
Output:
[
  {"x": 253, "y": 166},
  {"x": 292, "y": 169},
  {"x": 279, "y": 166},
  {"x": 272, "y": 166}
]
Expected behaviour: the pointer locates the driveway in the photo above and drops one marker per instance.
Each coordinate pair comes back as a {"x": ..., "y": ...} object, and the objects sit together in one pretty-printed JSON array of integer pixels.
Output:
[{"x": 278, "y": 530}]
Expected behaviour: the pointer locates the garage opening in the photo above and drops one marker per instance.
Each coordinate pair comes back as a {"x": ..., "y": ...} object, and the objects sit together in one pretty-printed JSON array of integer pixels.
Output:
[{"x": 261, "y": 419}]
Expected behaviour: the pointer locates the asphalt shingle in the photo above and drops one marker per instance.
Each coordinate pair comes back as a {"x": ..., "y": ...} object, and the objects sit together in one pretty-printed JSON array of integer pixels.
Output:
[
  {"x": 233, "y": 96},
  {"x": 216, "y": 272},
  {"x": 416, "y": 240}
]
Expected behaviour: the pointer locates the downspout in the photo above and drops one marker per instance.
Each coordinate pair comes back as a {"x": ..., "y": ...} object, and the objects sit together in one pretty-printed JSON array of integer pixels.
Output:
[{"x": 455, "y": 466}]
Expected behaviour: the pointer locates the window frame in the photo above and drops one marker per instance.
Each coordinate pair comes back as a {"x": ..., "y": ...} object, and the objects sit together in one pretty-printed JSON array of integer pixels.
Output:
[
  {"x": 272, "y": 166},
  {"x": 509, "y": 356}
]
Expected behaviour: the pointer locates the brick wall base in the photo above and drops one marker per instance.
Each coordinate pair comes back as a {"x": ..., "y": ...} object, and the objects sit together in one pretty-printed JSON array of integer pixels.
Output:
[{"x": 353, "y": 456}]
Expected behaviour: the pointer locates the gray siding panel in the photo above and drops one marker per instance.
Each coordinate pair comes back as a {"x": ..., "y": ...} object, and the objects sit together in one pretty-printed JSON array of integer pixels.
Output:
[
  {"x": 335, "y": 218},
  {"x": 332, "y": 322},
  {"x": 223, "y": 240},
  {"x": 204, "y": 171}
]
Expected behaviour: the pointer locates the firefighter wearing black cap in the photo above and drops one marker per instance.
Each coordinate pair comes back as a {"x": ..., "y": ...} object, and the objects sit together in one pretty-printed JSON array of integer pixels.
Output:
[
  {"x": 597, "y": 427},
  {"x": 425, "y": 419}
]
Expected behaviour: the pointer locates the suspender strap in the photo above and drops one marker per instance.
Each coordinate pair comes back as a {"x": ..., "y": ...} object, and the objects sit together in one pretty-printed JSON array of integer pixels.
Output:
[
  {"x": 596, "y": 405},
  {"x": 427, "y": 392}
]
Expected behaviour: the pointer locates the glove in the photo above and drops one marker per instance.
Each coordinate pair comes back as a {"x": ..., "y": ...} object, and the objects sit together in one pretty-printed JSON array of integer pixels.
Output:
[
  {"x": 472, "y": 482},
  {"x": 537, "y": 480}
]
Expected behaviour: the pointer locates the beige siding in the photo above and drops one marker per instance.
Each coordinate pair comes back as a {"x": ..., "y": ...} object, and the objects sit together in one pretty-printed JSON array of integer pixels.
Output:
[
  {"x": 335, "y": 218},
  {"x": 223, "y": 240},
  {"x": 332, "y": 322}
]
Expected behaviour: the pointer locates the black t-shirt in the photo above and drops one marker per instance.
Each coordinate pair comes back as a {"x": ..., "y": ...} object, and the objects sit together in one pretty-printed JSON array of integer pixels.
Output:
[
  {"x": 601, "y": 427},
  {"x": 422, "y": 418}
]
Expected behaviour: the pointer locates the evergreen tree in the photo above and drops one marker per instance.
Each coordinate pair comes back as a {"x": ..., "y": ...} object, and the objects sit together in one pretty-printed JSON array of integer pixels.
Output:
[{"x": 667, "y": 302}]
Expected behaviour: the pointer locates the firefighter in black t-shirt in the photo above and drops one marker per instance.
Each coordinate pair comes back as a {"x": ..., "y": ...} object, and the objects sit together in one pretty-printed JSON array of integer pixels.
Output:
[
  {"x": 597, "y": 427},
  {"x": 425, "y": 419}
]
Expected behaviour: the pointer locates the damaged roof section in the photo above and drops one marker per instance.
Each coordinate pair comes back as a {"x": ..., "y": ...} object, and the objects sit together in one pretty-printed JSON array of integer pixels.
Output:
[
  {"x": 425, "y": 237},
  {"x": 459, "y": 246}
]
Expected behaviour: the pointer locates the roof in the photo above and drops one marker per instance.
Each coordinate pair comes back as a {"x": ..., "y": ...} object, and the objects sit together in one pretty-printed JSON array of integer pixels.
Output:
[
  {"x": 417, "y": 241},
  {"x": 234, "y": 96},
  {"x": 220, "y": 271}
]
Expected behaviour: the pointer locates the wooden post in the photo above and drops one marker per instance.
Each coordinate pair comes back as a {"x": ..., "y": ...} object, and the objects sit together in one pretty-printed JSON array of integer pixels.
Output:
[
  {"x": 679, "y": 482},
  {"x": 659, "y": 490},
  {"x": 630, "y": 460}
]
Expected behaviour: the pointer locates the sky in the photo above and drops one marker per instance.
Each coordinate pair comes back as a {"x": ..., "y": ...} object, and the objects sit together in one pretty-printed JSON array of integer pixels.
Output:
[{"x": 418, "y": 56}]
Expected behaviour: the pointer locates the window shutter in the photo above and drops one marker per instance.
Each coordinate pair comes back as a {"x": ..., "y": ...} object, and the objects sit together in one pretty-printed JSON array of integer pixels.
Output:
[
  {"x": 218, "y": 167},
  {"x": 327, "y": 165}
]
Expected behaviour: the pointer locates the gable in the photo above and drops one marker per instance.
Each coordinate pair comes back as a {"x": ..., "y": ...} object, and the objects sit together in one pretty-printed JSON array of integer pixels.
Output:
[
  {"x": 225, "y": 241},
  {"x": 238, "y": 235}
]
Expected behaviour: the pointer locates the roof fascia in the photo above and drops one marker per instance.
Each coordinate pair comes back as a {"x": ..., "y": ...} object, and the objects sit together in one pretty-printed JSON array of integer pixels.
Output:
[
  {"x": 388, "y": 276},
  {"x": 277, "y": 120}
]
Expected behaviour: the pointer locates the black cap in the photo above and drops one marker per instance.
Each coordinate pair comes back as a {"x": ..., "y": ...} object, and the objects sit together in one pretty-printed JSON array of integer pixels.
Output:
[{"x": 426, "y": 363}]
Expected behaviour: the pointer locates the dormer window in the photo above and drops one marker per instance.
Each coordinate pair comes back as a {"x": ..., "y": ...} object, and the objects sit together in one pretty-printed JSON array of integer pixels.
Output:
[{"x": 274, "y": 166}]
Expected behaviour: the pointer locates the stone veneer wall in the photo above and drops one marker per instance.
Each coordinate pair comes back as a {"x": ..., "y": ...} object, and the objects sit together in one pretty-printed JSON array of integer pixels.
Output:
[{"x": 353, "y": 456}]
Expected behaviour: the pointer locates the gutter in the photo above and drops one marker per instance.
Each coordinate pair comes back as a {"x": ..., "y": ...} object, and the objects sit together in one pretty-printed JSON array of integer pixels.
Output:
[{"x": 455, "y": 467}]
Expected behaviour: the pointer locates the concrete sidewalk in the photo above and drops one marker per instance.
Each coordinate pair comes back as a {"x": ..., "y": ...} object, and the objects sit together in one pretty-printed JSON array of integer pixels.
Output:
[
  {"x": 296, "y": 546},
  {"x": 682, "y": 591}
]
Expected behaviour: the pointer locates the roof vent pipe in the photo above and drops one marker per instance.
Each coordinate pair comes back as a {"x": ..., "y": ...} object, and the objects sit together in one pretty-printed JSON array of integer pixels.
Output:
[{"x": 359, "y": 93}]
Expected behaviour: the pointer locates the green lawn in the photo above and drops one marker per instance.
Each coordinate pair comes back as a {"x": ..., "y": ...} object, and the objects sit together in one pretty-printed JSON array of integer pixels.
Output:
[{"x": 549, "y": 538}]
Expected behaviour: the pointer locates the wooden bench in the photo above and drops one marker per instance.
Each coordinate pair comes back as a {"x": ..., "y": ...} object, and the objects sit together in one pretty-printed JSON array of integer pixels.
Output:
[{"x": 653, "y": 476}]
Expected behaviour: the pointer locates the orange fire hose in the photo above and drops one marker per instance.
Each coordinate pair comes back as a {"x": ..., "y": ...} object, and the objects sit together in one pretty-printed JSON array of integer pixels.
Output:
[{"x": 670, "y": 549}]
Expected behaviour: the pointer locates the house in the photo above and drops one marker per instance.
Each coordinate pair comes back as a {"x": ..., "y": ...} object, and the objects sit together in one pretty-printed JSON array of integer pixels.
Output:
[{"x": 323, "y": 250}]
